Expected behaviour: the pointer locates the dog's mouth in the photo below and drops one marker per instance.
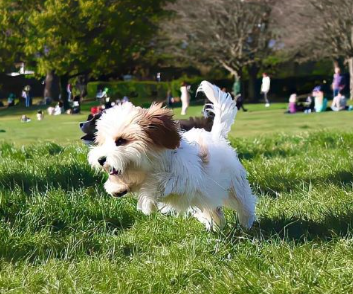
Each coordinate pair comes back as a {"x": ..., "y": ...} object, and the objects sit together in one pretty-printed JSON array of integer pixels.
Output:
[
  {"x": 88, "y": 137},
  {"x": 114, "y": 172},
  {"x": 119, "y": 194}
]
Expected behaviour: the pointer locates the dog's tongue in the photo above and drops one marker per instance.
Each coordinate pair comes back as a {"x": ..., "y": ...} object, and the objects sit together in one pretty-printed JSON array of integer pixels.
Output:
[{"x": 113, "y": 172}]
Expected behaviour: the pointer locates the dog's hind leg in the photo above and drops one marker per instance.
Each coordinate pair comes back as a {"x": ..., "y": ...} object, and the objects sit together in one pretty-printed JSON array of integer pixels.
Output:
[{"x": 241, "y": 199}]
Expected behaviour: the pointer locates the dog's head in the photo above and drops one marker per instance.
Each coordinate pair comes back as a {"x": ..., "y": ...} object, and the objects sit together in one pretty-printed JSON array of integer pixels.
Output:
[{"x": 129, "y": 137}]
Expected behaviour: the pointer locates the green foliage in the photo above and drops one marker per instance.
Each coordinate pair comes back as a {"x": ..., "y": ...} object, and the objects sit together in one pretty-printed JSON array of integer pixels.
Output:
[
  {"x": 78, "y": 36},
  {"x": 60, "y": 232},
  {"x": 137, "y": 90},
  {"x": 144, "y": 90}
]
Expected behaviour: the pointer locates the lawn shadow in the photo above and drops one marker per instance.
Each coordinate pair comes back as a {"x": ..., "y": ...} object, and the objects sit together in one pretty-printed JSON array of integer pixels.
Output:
[
  {"x": 276, "y": 184},
  {"x": 92, "y": 237},
  {"x": 297, "y": 229},
  {"x": 248, "y": 155},
  {"x": 66, "y": 177}
]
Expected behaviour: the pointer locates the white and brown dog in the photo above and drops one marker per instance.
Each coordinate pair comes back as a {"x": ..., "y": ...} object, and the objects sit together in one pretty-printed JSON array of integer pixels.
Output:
[{"x": 145, "y": 154}]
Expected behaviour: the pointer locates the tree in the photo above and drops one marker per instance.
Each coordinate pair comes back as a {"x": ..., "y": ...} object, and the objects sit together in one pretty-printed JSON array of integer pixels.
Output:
[
  {"x": 231, "y": 34},
  {"x": 74, "y": 37},
  {"x": 317, "y": 29},
  {"x": 336, "y": 32}
]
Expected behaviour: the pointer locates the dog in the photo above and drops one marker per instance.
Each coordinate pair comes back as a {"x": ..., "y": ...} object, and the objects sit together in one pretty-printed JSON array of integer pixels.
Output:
[{"x": 146, "y": 154}]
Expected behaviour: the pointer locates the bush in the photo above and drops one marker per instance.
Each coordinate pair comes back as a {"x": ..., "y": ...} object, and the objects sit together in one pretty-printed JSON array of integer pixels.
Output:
[{"x": 143, "y": 91}]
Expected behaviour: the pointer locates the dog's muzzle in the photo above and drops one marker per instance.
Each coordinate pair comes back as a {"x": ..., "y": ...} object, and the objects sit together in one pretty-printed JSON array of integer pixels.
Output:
[
  {"x": 120, "y": 194},
  {"x": 114, "y": 172}
]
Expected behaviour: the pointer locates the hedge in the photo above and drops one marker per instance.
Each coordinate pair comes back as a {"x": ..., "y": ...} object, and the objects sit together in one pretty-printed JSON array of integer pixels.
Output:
[
  {"x": 132, "y": 89},
  {"x": 143, "y": 91}
]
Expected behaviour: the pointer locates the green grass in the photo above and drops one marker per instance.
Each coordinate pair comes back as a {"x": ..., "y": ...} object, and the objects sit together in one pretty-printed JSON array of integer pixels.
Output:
[
  {"x": 257, "y": 122},
  {"x": 60, "y": 232}
]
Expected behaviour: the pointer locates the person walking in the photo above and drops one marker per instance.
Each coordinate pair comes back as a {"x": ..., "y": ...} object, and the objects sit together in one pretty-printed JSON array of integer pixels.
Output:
[
  {"x": 238, "y": 96},
  {"x": 26, "y": 95},
  {"x": 185, "y": 97},
  {"x": 69, "y": 92},
  {"x": 265, "y": 88}
]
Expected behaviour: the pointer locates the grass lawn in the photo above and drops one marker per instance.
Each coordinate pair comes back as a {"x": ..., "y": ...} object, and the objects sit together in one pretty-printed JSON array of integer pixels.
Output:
[
  {"x": 60, "y": 232},
  {"x": 257, "y": 122}
]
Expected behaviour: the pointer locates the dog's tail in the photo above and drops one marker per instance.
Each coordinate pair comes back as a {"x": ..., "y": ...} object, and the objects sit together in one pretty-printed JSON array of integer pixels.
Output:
[{"x": 224, "y": 108}]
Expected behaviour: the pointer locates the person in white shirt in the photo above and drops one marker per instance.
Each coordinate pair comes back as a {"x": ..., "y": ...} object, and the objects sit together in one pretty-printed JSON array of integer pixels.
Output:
[
  {"x": 265, "y": 87},
  {"x": 185, "y": 97}
]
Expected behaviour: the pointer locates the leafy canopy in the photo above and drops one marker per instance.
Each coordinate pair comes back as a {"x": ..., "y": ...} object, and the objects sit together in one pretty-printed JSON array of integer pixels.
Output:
[{"x": 77, "y": 36}]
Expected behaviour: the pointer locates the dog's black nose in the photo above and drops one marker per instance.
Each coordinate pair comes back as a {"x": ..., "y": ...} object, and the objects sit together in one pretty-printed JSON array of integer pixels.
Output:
[
  {"x": 121, "y": 194},
  {"x": 102, "y": 160},
  {"x": 81, "y": 125}
]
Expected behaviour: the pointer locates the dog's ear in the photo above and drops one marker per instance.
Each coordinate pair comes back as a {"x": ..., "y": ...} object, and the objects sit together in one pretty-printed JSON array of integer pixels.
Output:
[{"x": 160, "y": 127}]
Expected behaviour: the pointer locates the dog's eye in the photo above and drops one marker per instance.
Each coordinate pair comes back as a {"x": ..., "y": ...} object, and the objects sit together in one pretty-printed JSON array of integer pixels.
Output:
[{"x": 120, "y": 142}]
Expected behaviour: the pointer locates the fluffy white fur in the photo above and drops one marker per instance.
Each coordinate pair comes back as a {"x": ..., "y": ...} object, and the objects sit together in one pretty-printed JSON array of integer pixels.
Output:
[{"x": 202, "y": 172}]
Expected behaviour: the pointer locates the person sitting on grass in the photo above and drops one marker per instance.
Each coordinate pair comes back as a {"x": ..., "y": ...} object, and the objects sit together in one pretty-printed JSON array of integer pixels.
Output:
[
  {"x": 309, "y": 104},
  {"x": 320, "y": 100},
  {"x": 339, "y": 102},
  {"x": 76, "y": 105},
  {"x": 292, "y": 106},
  {"x": 40, "y": 115},
  {"x": 59, "y": 108},
  {"x": 11, "y": 100}
]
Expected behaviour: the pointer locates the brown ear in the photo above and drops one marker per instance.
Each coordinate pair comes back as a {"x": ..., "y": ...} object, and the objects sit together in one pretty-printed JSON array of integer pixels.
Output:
[{"x": 160, "y": 127}]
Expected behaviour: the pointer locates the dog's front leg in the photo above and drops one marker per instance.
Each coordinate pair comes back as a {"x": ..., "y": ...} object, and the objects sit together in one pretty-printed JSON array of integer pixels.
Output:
[
  {"x": 146, "y": 205},
  {"x": 115, "y": 187},
  {"x": 148, "y": 196}
]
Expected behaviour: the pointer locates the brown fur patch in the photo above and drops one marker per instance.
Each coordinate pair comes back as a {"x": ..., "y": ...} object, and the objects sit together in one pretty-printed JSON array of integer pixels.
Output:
[{"x": 160, "y": 127}]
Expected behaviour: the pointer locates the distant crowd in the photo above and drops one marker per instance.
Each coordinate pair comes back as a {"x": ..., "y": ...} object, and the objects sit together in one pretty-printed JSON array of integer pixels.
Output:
[{"x": 318, "y": 102}]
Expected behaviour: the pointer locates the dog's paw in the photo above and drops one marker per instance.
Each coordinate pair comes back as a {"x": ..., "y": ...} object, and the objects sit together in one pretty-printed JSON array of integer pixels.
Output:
[
  {"x": 147, "y": 206},
  {"x": 114, "y": 189}
]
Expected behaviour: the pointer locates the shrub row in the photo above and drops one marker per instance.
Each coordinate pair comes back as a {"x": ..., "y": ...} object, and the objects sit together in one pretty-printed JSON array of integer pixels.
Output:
[{"x": 142, "y": 90}]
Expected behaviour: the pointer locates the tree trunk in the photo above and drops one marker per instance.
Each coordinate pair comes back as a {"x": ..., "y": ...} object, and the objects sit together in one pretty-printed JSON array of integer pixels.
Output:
[
  {"x": 350, "y": 65},
  {"x": 81, "y": 85},
  {"x": 64, "y": 80},
  {"x": 51, "y": 86},
  {"x": 252, "y": 93}
]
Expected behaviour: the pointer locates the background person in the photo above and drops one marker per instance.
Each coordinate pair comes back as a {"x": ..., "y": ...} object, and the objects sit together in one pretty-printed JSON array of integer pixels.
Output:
[
  {"x": 238, "y": 96},
  {"x": 69, "y": 92},
  {"x": 185, "y": 97},
  {"x": 338, "y": 83},
  {"x": 292, "y": 105},
  {"x": 265, "y": 88},
  {"x": 320, "y": 100},
  {"x": 309, "y": 104},
  {"x": 59, "y": 108},
  {"x": 339, "y": 102},
  {"x": 26, "y": 95},
  {"x": 11, "y": 100}
]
